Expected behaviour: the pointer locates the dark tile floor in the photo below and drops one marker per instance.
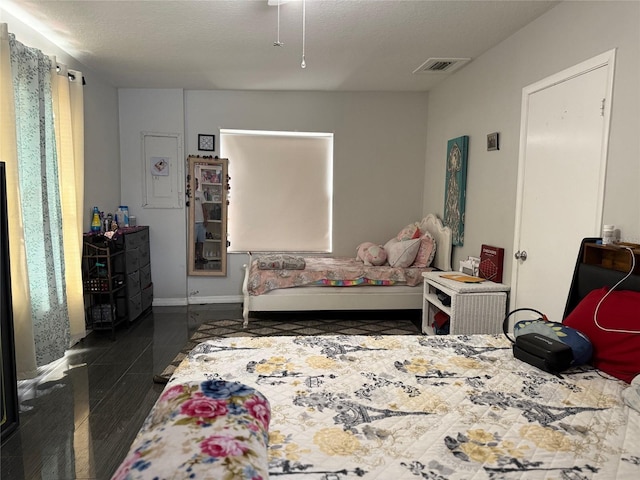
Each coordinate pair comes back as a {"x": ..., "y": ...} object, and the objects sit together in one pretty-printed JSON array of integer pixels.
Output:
[{"x": 78, "y": 419}]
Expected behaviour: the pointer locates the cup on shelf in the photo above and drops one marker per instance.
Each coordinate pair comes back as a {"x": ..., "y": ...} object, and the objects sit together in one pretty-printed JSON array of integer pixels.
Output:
[{"x": 608, "y": 234}]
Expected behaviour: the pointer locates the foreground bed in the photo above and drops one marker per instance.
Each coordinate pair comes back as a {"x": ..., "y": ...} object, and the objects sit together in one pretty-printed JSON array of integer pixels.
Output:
[
  {"x": 400, "y": 407},
  {"x": 390, "y": 407},
  {"x": 389, "y": 297}
]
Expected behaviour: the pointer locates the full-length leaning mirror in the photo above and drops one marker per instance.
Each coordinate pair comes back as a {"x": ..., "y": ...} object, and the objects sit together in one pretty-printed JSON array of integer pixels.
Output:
[{"x": 207, "y": 185}]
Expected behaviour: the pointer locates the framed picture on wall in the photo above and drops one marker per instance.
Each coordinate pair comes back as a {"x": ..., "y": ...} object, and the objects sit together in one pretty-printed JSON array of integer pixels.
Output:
[
  {"x": 206, "y": 143},
  {"x": 493, "y": 141},
  {"x": 455, "y": 187}
]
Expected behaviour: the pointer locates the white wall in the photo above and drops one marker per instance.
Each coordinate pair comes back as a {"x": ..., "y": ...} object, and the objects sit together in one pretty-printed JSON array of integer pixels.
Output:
[
  {"x": 102, "y": 161},
  {"x": 101, "y": 149},
  {"x": 378, "y": 165},
  {"x": 155, "y": 111},
  {"x": 378, "y": 139},
  {"x": 486, "y": 95}
]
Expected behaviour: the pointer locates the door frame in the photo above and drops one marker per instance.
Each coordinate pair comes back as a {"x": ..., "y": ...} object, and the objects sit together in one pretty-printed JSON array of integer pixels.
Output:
[{"x": 607, "y": 60}]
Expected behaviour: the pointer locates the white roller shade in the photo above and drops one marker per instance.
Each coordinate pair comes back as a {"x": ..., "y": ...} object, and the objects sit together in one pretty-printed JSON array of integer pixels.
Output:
[{"x": 281, "y": 190}]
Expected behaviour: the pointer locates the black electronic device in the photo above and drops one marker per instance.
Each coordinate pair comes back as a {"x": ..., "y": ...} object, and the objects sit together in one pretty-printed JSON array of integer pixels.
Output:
[
  {"x": 543, "y": 352},
  {"x": 444, "y": 298},
  {"x": 536, "y": 349}
]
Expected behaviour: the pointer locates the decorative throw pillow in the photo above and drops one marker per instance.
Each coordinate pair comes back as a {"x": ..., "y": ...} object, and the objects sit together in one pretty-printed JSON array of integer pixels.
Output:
[
  {"x": 409, "y": 232},
  {"x": 280, "y": 262},
  {"x": 211, "y": 421},
  {"x": 402, "y": 254},
  {"x": 371, "y": 254},
  {"x": 614, "y": 352},
  {"x": 426, "y": 252}
]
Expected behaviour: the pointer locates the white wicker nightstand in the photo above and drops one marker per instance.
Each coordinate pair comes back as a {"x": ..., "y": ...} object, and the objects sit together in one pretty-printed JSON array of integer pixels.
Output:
[{"x": 475, "y": 307}]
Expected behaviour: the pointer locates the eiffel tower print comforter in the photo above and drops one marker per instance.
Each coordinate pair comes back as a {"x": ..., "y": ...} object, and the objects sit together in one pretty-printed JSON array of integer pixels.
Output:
[{"x": 396, "y": 407}]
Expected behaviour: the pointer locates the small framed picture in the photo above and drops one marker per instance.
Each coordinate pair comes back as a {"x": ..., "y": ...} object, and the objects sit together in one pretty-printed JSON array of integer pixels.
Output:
[
  {"x": 206, "y": 143},
  {"x": 493, "y": 141}
]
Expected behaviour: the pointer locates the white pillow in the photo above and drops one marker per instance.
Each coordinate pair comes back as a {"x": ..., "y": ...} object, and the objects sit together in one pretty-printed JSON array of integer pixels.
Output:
[{"x": 401, "y": 253}]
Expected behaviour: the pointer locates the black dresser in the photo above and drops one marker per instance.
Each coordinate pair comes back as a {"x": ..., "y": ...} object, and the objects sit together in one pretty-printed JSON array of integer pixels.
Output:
[{"x": 137, "y": 268}]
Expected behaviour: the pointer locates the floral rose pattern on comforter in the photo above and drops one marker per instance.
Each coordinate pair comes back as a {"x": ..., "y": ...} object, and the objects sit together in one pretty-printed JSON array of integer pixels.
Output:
[
  {"x": 330, "y": 271},
  {"x": 417, "y": 407},
  {"x": 202, "y": 430}
]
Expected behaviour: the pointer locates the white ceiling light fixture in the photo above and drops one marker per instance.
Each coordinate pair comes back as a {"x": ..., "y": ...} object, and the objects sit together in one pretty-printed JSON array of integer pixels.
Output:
[
  {"x": 278, "y": 43},
  {"x": 303, "y": 64}
]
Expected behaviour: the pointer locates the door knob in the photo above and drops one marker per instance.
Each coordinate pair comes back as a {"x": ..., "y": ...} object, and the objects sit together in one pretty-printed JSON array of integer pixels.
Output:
[{"x": 521, "y": 255}]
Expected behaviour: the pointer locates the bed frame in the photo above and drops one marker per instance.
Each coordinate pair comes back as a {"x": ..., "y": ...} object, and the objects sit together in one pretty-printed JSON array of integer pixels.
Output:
[
  {"x": 588, "y": 277},
  {"x": 397, "y": 297}
]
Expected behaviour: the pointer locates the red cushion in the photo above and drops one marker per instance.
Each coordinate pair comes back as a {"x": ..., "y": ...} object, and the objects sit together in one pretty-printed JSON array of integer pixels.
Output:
[{"x": 615, "y": 353}]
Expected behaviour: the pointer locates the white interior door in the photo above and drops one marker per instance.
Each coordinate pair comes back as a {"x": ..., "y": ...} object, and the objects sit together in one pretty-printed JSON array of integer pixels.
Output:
[{"x": 561, "y": 175}]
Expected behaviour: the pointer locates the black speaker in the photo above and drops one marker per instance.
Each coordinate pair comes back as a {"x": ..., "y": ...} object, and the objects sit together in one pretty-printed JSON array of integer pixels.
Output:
[{"x": 543, "y": 352}]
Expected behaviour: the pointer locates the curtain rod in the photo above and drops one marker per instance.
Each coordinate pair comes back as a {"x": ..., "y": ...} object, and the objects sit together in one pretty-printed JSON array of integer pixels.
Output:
[
  {"x": 71, "y": 75},
  {"x": 4, "y": 31}
]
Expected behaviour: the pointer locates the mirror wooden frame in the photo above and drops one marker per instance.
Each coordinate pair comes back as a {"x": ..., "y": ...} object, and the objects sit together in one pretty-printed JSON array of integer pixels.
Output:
[{"x": 207, "y": 188}]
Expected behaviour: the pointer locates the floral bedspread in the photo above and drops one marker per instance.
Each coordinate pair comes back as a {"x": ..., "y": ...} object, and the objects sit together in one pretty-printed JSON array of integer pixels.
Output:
[
  {"x": 202, "y": 429},
  {"x": 439, "y": 407},
  {"x": 331, "y": 271}
]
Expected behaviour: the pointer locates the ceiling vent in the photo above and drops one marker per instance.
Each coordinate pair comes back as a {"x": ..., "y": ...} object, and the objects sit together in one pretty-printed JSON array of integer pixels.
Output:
[{"x": 441, "y": 65}]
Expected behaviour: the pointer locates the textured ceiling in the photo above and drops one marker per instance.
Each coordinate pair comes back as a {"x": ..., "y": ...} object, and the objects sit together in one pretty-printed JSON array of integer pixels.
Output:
[{"x": 350, "y": 44}]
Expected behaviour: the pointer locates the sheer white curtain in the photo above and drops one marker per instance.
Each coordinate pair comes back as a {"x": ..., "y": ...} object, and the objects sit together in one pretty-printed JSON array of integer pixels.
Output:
[
  {"x": 42, "y": 146},
  {"x": 23, "y": 326}
]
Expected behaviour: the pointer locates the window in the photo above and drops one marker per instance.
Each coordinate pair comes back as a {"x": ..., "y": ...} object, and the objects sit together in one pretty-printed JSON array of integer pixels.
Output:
[{"x": 281, "y": 190}]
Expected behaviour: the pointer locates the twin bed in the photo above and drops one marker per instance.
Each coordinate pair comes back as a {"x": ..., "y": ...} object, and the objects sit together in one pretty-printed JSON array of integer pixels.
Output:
[
  {"x": 441, "y": 407},
  {"x": 402, "y": 295}
]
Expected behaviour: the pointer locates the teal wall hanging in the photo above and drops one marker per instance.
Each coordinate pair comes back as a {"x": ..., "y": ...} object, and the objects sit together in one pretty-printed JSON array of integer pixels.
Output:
[{"x": 455, "y": 187}]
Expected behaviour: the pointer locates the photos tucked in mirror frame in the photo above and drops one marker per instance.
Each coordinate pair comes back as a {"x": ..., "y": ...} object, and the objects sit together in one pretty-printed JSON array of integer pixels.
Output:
[{"x": 207, "y": 187}]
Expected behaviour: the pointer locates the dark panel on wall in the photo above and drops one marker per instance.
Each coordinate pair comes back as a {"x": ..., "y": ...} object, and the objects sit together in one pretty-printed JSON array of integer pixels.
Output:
[{"x": 9, "y": 391}]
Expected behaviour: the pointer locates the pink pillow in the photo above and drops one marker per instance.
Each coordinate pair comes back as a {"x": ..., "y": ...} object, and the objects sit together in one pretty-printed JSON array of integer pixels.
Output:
[
  {"x": 426, "y": 252},
  {"x": 409, "y": 232},
  {"x": 615, "y": 353},
  {"x": 371, "y": 254},
  {"x": 402, "y": 254}
]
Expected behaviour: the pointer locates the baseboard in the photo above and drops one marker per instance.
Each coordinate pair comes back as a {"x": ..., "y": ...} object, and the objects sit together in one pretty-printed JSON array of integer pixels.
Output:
[
  {"x": 169, "y": 302},
  {"x": 176, "y": 302},
  {"x": 216, "y": 299}
]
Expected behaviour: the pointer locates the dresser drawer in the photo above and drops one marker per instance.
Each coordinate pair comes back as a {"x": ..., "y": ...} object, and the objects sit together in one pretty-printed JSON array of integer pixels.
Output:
[
  {"x": 147, "y": 297},
  {"x": 144, "y": 255},
  {"x": 135, "y": 307},
  {"x": 145, "y": 276},
  {"x": 136, "y": 239},
  {"x": 132, "y": 258},
  {"x": 133, "y": 283}
]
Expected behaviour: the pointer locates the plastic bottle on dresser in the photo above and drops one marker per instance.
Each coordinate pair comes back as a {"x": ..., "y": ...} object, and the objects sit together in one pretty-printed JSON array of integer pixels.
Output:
[
  {"x": 608, "y": 234},
  {"x": 122, "y": 216},
  {"x": 96, "y": 223}
]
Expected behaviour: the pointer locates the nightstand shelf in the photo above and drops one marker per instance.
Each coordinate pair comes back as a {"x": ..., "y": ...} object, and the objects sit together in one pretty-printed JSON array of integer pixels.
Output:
[
  {"x": 612, "y": 257},
  {"x": 475, "y": 307}
]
